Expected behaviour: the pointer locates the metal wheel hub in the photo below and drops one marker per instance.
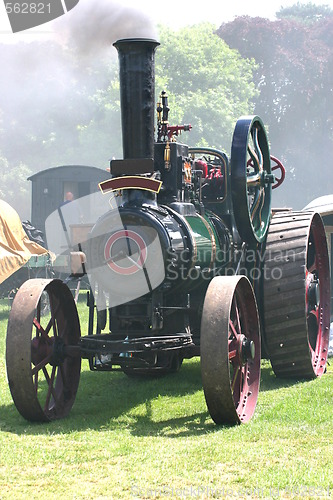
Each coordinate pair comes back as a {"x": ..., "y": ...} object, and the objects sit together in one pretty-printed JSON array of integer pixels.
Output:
[
  {"x": 241, "y": 349},
  {"x": 312, "y": 292},
  {"x": 41, "y": 349},
  {"x": 52, "y": 348},
  {"x": 248, "y": 350}
]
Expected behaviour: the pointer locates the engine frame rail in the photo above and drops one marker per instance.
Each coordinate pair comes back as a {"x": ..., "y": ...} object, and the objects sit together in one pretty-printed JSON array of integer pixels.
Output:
[{"x": 107, "y": 344}]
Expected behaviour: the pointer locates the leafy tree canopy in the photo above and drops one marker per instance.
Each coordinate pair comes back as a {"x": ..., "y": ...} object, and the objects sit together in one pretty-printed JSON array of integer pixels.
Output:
[
  {"x": 56, "y": 108},
  {"x": 308, "y": 13},
  {"x": 209, "y": 84},
  {"x": 15, "y": 189},
  {"x": 294, "y": 76}
]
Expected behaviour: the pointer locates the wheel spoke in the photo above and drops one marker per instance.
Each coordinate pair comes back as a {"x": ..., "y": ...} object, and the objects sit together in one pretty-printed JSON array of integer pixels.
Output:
[
  {"x": 314, "y": 313},
  {"x": 258, "y": 202},
  {"x": 256, "y": 181},
  {"x": 54, "y": 311},
  {"x": 36, "y": 382},
  {"x": 40, "y": 329},
  {"x": 245, "y": 374},
  {"x": 63, "y": 376},
  {"x": 313, "y": 267},
  {"x": 259, "y": 206},
  {"x": 232, "y": 354},
  {"x": 254, "y": 158},
  {"x": 44, "y": 331},
  {"x": 234, "y": 320},
  {"x": 234, "y": 337},
  {"x": 257, "y": 147},
  {"x": 244, "y": 390},
  {"x": 51, "y": 391},
  {"x": 38, "y": 312},
  {"x": 41, "y": 365},
  {"x": 233, "y": 329},
  {"x": 236, "y": 375}
]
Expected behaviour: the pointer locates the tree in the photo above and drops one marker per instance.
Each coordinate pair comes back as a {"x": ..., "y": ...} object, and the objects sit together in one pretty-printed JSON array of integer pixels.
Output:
[
  {"x": 294, "y": 76},
  {"x": 58, "y": 109},
  {"x": 209, "y": 85},
  {"x": 47, "y": 99},
  {"x": 307, "y": 13},
  {"x": 15, "y": 189},
  {"x": 50, "y": 113}
]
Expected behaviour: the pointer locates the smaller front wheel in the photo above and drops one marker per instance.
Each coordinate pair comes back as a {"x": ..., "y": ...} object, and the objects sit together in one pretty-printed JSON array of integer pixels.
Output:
[
  {"x": 230, "y": 350},
  {"x": 43, "y": 325}
]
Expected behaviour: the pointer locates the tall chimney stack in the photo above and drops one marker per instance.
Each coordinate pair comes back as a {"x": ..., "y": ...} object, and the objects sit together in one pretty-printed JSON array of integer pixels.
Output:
[{"x": 137, "y": 96}]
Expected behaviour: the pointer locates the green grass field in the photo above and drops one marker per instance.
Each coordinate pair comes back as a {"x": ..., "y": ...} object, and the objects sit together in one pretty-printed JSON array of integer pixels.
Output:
[{"x": 128, "y": 438}]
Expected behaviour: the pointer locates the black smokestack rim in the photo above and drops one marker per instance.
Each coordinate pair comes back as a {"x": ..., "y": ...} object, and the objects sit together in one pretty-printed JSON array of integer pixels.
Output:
[
  {"x": 137, "y": 95},
  {"x": 136, "y": 40}
]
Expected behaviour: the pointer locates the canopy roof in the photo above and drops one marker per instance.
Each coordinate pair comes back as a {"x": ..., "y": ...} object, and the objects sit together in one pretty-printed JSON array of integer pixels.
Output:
[{"x": 15, "y": 246}]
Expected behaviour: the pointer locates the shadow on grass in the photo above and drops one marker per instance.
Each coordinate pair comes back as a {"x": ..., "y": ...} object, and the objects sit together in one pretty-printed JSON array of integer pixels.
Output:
[
  {"x": 110, "y": 400},
  {"x": 269, "y": 382},
  {"x": 4, "y": 311}
]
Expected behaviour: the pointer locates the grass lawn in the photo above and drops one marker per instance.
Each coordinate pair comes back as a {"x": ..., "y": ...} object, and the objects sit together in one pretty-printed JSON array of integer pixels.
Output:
[{"x": 127, "y": 438}]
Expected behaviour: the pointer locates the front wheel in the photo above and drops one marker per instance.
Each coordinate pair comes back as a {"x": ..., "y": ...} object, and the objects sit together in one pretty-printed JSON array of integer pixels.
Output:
[
  {"x": 43, "y": 324},
  {"x": 230, "y": 350}
]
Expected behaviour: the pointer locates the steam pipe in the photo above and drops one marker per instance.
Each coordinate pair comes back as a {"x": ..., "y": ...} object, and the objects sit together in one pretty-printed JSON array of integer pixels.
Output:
[{"x": 137, "y": 95}]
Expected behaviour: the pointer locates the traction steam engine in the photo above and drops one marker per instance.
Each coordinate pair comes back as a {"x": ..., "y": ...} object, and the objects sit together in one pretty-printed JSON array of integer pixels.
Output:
[{"x": 189, "y": 261}]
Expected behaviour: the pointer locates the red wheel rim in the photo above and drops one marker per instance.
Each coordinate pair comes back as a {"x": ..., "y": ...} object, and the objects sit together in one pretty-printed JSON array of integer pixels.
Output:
[
  {"x": 317, "y": 298},
  {"x": 244, "y": 358}
]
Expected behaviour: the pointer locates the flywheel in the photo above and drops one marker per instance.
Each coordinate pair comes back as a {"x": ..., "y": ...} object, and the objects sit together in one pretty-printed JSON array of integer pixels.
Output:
[
  {"x": 251, "y": 179},
  {"x": 296, "y": 295}
]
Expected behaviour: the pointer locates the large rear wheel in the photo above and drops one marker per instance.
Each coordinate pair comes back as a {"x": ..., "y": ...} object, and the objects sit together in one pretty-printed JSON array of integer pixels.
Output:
[
  {"x": 43, "y": 323},
  {"x": 230, "y": 350},
  {"x": 296, "y": 295}
]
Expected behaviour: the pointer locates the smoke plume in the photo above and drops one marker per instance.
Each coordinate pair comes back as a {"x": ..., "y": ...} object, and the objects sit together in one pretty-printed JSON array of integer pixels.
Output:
[
  {"x": 94, "y": 26},
  {"x": 51, "y": 95}
]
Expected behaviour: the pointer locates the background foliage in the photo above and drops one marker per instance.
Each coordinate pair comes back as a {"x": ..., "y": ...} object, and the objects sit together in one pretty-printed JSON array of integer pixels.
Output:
[
  {"x": 295, "y": 78},
  {"x": 66, "y": 110},
  {"x": 57, "y": 107},
  {"x": 209, "y": 84}
]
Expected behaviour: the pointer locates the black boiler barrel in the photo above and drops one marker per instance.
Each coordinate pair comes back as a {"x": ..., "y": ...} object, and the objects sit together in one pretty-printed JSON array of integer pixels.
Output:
[{"x": 137, "y": 95}]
